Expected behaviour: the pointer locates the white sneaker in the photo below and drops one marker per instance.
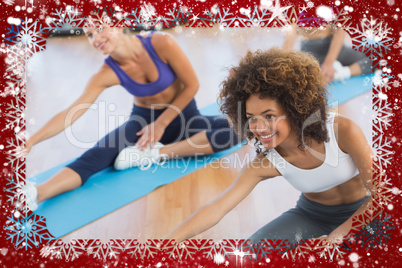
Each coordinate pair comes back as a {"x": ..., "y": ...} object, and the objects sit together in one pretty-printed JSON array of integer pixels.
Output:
[
  {"x": 341, "y": 72},
  {"x": 132, "y": 156},
  {"x": 30, "y": 192}
]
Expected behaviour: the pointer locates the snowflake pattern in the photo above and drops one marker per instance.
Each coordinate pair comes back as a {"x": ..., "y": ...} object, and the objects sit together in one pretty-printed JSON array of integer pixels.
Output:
[
  {"x": 295, "y": 250},
  {"x": 104, "y": 16},
  {"x": 259, "y": 250},
  {"x": 382, "y": 119},
  {"x": 14, "y": 86},
  {"x": 68, "y": 18},
  {"x": 239, "y": 249},
  {"x": 181, "y": 250},
  {"x": 143, "y": 250},
  {"x": 328, "y": 251},
  {"x": 258, "y": 17},
  {"x": 376, "y": 232},
  {"x": 341, "y": 20},
  {"x": 221, "y": 248},
  {"x": 15, "y": 154},
  {"x": 277, "y": 11},
  {"x": 27, "y": 35},
  {"x": 148, "y": 11},
  {"x": 382, "y": 188},
  {"x": 13, "y": 192},
  {"x": 312, "y": 23},
  {"x": 382, "y": 113},
  {"x": 17, "y": 59},
  {"x": 382, "y": 147},
  {"x": 15, "y": 113},
  {"x": 43, "y": 11},
  {"x": 27, "y": 229},
  {"x": 218, "y": 15},
  {"x": 105, "y": 251},
  {"x": 174, "y": 17},
  {"x": 68, "y": 251},
  {"x": 136, "y": 20},
  {"x": 372, "y": 38},
  {"x": 306, "y": 19},
  {"x": 320, "y": 246},
  {"x": 382, "y": 82}
]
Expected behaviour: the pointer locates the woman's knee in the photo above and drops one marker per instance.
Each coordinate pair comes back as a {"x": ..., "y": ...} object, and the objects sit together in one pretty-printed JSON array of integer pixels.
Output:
[{"x": 222, "y": 139}]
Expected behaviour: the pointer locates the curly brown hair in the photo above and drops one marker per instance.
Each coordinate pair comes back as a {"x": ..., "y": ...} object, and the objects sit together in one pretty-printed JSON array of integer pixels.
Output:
[{"x": 290, "y": 77}]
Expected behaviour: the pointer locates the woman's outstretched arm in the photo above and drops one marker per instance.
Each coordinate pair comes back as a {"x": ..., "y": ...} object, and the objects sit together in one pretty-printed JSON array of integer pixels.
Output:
[
  {"x": 211, "y": 213},
  {"x": 68, "y": 116}
]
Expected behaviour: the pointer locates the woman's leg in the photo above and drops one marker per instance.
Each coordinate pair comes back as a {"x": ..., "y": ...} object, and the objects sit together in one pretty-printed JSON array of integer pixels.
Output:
[
  {"x": 99, "y": 157},
  {"x": 357, "y": 62},
  {"x": 203, "y": 135},
  {"x": 64, "y": 181},
  {"x": 317, "y": 47},
  {"x": 292, "y": 225},
  {"x": 307, "y": 220},
  {"x": 355, "y": 69},
  {"x": 195, "y": 145}
]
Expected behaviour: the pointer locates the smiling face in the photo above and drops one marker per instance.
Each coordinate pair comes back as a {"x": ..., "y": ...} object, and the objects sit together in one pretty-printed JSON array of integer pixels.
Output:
[
  {"x": 104, "y": 38},
  {"x": 267, "y": 121}
]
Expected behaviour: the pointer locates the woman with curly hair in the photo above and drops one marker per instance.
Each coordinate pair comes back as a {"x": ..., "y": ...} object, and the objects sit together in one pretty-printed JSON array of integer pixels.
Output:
[{"x": 278, "y": 99}]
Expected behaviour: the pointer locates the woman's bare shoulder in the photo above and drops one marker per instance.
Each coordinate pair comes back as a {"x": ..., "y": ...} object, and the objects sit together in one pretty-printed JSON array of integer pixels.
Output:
[
  {"x": 346, "y": 130},
  {"x": 104, "y": 77},
  {"x": 260, "y": 166},
  {"x": 166, "y": 47},
  {"x": 163, "y": 41},
  {"x": 158, "y": 39},
  {"x": 343, "y": 125}
]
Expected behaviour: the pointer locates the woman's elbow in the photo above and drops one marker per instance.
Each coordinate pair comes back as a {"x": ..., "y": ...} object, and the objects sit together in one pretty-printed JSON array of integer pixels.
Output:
[
  {"x": 191, "y": 89},
  {"x": 196, "y": 86}
]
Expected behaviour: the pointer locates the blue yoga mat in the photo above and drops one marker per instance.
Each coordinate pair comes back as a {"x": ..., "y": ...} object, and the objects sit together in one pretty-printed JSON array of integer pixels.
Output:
[
  {"x": 109, "y": 189},
  {"x": 340, "y": 92}
]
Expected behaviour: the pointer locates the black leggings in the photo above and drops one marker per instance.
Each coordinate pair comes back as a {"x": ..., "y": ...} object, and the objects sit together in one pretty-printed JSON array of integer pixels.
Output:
[
  {"x": 220, "y": 136},
  {"x": 347, "y": 56},
  {"x": 307, "y": 220}
]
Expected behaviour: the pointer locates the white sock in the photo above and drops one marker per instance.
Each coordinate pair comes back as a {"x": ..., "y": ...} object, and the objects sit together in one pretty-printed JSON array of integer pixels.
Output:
[{"x": 341, "y": 72}]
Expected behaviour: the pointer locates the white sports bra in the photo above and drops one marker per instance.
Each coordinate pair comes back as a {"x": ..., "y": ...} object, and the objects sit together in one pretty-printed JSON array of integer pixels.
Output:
[{"x": 337, "y": 168}]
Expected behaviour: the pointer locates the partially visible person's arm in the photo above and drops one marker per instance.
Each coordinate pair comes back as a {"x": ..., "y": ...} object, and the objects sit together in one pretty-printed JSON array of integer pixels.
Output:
[
  {"x": 211, "y": 213},
  {"x": 333, "y": 52},
  {"x": 68, "y": 116},
  {"x": 290, "y": 37}
]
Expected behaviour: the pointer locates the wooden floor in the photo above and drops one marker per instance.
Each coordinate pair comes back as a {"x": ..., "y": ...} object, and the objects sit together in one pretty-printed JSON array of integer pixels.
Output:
[{"x": 58, "y": 75}]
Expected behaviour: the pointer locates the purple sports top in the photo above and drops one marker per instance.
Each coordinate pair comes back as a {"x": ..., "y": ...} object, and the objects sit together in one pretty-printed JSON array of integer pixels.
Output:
[{"x": 166, "y": 75}]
